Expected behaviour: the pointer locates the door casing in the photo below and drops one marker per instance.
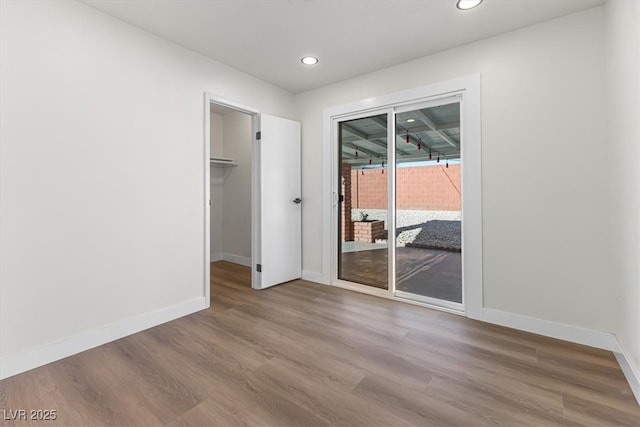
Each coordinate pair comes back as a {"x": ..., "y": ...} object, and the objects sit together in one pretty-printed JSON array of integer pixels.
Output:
[{"x": 210, "y": 99}]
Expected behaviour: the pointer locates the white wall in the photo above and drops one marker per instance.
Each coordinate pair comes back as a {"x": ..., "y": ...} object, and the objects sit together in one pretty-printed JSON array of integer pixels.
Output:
[
  {"x": 102, "y": 177},
  {"x": 623, "y": 141},
  {"x": 237, "y": 185},
  {"x": 217, "y": 176},
  {"x": 216, "y": 135},
  {"x": 546, "y": 237}
]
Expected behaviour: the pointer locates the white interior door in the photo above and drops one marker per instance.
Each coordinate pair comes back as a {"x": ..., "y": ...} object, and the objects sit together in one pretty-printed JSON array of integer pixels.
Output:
[{"x": 280, "y": 222}]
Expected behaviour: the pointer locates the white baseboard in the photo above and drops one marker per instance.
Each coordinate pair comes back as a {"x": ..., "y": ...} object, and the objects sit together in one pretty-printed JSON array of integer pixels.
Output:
[
  {"x": 575, "y": 334},
  {"x": 26, "y": 360},
  {"x": 313, "y": 276},
  {"x": 237, "y": 259},
  {"x": 631, "y": 374}
]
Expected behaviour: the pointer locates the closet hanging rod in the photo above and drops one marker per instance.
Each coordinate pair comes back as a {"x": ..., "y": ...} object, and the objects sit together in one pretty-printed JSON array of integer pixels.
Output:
[{"x": 222, "y": 162}]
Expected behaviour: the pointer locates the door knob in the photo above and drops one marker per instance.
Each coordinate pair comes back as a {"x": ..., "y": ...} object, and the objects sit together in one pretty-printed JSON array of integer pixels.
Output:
[{"x": 297, "y": 200}]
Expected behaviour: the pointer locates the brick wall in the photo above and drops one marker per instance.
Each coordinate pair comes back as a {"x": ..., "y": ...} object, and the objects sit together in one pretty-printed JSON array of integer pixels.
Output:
[
  {"x": 424, "y": 187},
  {"x": 368, "y": 231},
  {"x": 345, "y": 214}
]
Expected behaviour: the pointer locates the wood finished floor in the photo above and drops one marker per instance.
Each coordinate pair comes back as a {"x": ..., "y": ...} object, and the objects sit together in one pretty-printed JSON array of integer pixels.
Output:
[{"x": 302, "y": 354}]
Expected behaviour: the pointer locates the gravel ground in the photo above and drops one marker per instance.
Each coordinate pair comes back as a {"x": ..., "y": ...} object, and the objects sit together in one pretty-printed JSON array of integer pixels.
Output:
[{"x": 439, "y": 229}]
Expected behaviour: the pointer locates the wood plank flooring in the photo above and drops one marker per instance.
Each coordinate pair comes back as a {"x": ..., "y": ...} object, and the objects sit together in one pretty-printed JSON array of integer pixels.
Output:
[{"x": 302, "y": 354}]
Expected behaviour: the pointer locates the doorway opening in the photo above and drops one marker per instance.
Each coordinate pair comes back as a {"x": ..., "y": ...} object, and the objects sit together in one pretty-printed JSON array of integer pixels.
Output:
[
  {"x": 231, "y": 174},
  {"x": 253, "y": 199},
  {"x": 427, "y": 202},
  {"x": 406, "y": 182}
]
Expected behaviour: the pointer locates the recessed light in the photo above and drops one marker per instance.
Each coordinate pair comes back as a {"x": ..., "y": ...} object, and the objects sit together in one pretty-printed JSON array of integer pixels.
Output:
[
  {"x": 309, "y": 60},
  {"x": 468, "y": 4},
  {"x": 411, "y": 120}
]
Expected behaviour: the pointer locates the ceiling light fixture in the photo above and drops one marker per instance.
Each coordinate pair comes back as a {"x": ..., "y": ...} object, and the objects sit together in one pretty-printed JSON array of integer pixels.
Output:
[
  {"x": 468, "y": 4},
  {"x": 309, "y": 60},
  {"x": 411, "y": 120}
]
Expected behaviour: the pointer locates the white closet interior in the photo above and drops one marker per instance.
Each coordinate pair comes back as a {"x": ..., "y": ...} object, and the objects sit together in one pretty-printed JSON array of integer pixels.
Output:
[{"x": 230, "y": 140}]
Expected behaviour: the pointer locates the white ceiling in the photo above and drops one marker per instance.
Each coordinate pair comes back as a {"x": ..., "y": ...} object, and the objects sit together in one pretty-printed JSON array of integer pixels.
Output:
[{"x": 267, "y": 38}]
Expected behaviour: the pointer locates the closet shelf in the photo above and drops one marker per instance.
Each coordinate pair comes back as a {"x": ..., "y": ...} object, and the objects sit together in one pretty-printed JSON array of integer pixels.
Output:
[{"x": 221, "y": 162}]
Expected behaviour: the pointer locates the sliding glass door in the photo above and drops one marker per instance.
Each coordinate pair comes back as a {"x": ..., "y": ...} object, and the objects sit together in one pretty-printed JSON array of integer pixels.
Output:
[
  {"x": 363, "y": 196},
  {"x": 405, "y": 183},
  {"x": 428, "y": 210}
]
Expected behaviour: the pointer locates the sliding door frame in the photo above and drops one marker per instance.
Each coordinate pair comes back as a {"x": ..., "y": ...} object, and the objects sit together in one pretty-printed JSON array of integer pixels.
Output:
[
  {"x": 335, "y": 236},
  {"x": 467, "y": 90},
  {"x": 454, "y": 307}
]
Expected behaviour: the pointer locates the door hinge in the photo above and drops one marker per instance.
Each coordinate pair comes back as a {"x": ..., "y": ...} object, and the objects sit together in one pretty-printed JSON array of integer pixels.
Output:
[
  {"x": 259, "y": 268},
  {"x": 258, "y": 135}
]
